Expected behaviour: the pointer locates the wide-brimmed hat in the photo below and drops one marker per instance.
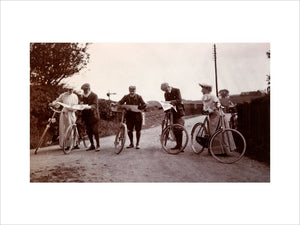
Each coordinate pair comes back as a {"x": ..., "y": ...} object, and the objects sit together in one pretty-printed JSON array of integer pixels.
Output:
[{"x": 205, "y": 85}]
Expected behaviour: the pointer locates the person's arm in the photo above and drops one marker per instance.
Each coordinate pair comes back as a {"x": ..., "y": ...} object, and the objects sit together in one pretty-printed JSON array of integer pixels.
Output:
[
  {"x": 123, "y": 100},
  {"x": 59, "y": 99},
  {"x": 94, "y": 103},
  {"x": 142, "y": 104},
  {"x": 178, "y": 100}
]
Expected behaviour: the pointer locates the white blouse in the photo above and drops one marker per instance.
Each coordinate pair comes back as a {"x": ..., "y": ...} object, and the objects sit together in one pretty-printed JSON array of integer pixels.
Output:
[{"x": 209, "y": 102}]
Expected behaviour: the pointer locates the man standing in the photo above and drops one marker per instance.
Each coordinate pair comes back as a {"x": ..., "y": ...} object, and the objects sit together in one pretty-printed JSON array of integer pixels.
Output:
[
  {"x": 133, "y": 119},
  {"x": 91, "y": 117},
  {"x": 173, "y": 95}
]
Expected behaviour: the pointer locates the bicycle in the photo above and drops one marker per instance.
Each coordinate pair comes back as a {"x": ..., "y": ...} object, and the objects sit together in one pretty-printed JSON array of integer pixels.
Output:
[
  {"x": 230, "y": 142},
  {"x": 120, "y": 138},
  {"x": 168, "y": 130},
  {"x": 72, "y": 138},
  {"x": 50, "y": 121}
]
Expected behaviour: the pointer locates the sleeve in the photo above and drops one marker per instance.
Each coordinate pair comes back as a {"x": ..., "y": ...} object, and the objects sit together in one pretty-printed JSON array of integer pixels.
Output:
[
  {"x": 178, "y": 100},
  {"x": 123, "y": 100},
  {"x": 142, "y": 104},
  {"x": 94, "y": 102},
  {"x": 59, "y": 99}
]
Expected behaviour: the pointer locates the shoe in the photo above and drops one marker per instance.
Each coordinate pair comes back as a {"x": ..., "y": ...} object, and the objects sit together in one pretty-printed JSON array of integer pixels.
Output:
[
  {"x": 92, "y": 147},
  {"x": 137, "y": 147},
  {"x": 130, "y": 146},
  {"x": 67, "y": 148},
  {"x": 76, "y": 147},
  {"x": 97, "y": 149}
]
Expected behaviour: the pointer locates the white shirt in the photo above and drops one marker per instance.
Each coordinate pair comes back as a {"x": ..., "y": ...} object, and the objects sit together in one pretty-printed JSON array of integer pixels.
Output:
[{"x": 209, "y": 102}]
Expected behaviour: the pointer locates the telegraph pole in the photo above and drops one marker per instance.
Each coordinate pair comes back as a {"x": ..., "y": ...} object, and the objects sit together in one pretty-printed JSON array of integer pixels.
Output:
[{"x": 216, "y": 75}]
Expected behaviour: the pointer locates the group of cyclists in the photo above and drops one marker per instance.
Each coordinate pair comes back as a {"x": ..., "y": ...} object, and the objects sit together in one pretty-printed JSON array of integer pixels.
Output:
[{"x": 91, "y": 116}]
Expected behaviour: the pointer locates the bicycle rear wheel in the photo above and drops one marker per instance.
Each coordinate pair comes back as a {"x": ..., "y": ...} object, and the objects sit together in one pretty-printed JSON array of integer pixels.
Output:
[
  {"x": 120, "y": 138},
  {"x": 227, "y": 146},
  {"x": 70, "y": 139},
  {"x": 199, "y": 138},
  {"x": 168, "y": 138}
]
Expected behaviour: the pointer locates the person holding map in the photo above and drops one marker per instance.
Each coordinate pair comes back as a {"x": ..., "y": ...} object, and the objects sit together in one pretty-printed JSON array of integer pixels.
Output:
[
  {"x": 174, "y": 97},
  {"x": 134, "y": 117},
  {"x": 91, "y": 116},
  {"x": 67, "y": 116}
]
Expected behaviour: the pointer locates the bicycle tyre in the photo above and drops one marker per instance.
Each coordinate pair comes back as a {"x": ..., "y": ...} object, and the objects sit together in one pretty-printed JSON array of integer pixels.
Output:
[
  {"x": 227, "y": 146},
  {"x": 120, "y": 138},
  {"x": 202, "y": 132},
  {"x": 70, "y": 139},
  {"x": 166, "y": 136}
]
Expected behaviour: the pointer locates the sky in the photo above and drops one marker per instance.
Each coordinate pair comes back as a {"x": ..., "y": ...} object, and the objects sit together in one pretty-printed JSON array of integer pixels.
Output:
[{"x": 115, "y": 66}]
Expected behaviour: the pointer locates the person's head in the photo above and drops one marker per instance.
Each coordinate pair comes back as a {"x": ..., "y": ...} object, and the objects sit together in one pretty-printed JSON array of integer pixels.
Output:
[
  {"x": 165, "y": 87},
  {"x": 69, "y": 90},
  {"x": 86, "y": 88},
  {"x": 132, "y": 90},
  {"x": 206, "y": 88}
]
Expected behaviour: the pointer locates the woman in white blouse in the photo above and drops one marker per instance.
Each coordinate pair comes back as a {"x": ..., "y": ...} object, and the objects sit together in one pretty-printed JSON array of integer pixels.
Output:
[{"x": 210, "y": 105}]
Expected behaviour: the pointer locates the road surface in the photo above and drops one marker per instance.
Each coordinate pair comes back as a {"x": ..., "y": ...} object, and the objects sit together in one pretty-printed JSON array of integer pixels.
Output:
[{"x": 148, "y": 164}]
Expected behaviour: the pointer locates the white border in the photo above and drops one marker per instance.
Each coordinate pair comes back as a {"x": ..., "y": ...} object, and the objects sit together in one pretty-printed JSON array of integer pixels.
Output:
[{"x": 274, "y": 22}]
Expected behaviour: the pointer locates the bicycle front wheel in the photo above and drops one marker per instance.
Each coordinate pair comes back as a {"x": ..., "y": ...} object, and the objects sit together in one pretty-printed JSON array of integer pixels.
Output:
[
  {"x": 70, "y": 139},
  {"x": 199, "y": 138},
  {"x": 120, "y": 138},
  {"x": 227, "y": 146},
  {"x": 173, "y": 134}
]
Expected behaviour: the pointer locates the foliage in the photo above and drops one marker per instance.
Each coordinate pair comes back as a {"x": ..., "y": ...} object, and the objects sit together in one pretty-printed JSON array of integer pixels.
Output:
[
  {"x": 52, "y": 62},
  {"x": 40, "y": 97}
]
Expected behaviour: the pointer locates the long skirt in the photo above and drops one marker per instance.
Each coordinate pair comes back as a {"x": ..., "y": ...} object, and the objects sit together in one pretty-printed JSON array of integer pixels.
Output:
[
  {"x": 223, "y": 144},
  {"x": 65, "y": 120}
]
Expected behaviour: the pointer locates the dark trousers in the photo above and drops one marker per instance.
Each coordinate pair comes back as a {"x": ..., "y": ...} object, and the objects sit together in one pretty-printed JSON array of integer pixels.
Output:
[
  {"x": 178, "y": 132},
  {"x": 134, "y": 121},
  {"x": 93, "y": 130}
]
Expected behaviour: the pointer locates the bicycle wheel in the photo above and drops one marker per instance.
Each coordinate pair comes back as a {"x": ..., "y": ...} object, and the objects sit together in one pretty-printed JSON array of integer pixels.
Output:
[
  {"x": 120, "y": 138},
  {"x": 70, "y": 139},
  {"x": 199, "y": 138},
  {"x": 168, "y": 138},
  {"x": 227, "y": 146}
]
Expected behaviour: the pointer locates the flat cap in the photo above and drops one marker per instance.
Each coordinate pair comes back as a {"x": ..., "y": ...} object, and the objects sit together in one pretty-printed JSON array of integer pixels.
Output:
[
  {"x": 85, "y": 86},
  {"x": 132, "y": 88}
]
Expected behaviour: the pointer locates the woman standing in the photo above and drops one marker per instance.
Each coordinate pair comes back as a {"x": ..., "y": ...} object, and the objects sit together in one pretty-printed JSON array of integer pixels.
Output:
[
  {"x": 67, "y": 115},
  {"x": 211, "y": 106}
]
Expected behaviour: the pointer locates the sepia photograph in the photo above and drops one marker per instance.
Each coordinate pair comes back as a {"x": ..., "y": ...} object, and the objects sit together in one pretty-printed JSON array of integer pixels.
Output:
[{"x": 150, "y": 112}]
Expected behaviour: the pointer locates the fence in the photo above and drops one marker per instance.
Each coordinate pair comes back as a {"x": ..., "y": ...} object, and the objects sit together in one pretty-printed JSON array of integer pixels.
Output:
[{"x": 254, "y": 123}]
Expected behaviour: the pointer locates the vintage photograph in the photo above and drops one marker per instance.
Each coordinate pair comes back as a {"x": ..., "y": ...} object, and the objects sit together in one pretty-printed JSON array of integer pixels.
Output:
[{"x": 149, "y": 112}]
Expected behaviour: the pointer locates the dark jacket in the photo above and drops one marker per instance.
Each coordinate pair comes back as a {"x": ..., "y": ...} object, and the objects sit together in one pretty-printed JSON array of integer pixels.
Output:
[
  {"x": 91, "y": 115},
  {"x": 135, "y": 100},
  {"x": 175, "y": 98}
]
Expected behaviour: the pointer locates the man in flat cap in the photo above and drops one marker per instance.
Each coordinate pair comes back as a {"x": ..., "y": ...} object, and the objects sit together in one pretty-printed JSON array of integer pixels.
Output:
[
  {"x": 91, "y": 117},
  {"x": 173, "y": 95},
  {"x": 133, "y": 119}
]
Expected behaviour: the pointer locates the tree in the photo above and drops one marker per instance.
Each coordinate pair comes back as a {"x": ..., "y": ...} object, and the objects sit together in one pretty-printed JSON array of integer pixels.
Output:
[{"x": 52, "y": 62}]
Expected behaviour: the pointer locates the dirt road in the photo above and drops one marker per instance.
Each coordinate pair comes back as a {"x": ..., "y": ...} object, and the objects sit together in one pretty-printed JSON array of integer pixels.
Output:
[{"x": 148, "y": 164}]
